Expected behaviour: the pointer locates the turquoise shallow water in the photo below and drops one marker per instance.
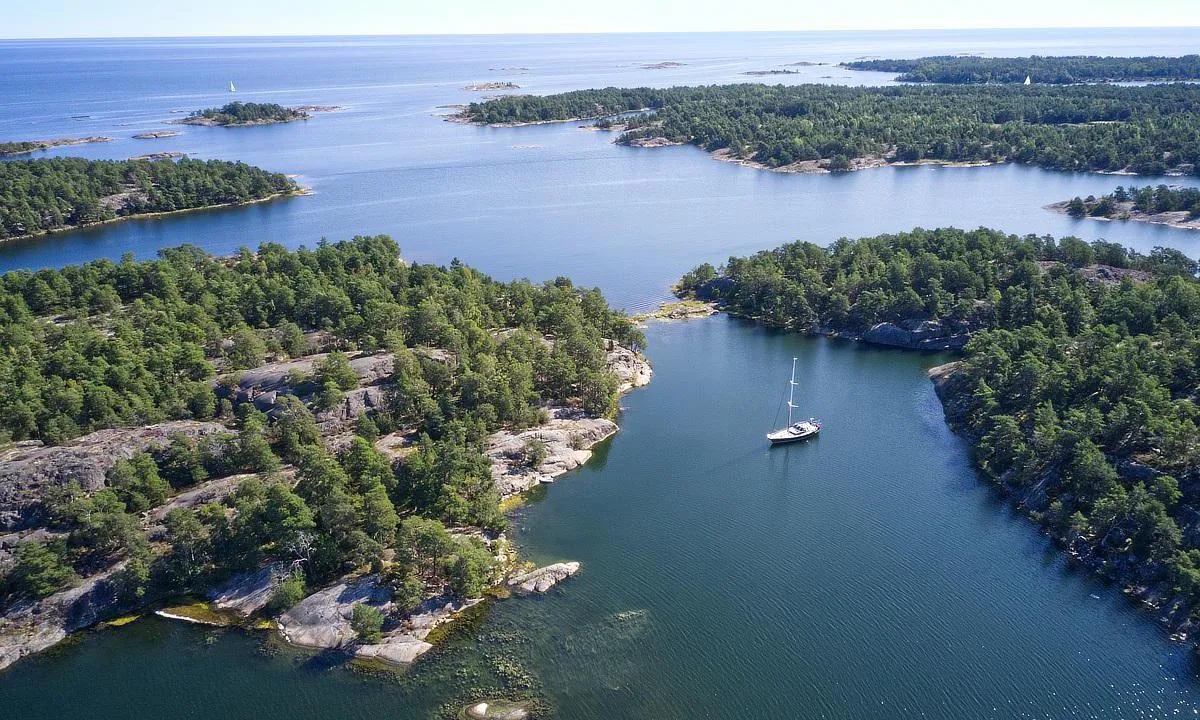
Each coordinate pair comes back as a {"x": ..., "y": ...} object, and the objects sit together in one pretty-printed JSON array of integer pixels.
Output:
[{"x": 866, "y": 574}]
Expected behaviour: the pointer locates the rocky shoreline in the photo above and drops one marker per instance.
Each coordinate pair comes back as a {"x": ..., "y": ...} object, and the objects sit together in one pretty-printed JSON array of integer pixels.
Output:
[
  {"x": 322, "y": 619},
  {"x": 1180, "y": 219},
  {"x": 13, "y": 149}
]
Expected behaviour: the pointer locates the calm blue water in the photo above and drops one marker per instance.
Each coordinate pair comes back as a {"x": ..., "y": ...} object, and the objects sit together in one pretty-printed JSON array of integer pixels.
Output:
[
  {"x": 867, "y": 574},
  {"x": 531, "y": 202}
]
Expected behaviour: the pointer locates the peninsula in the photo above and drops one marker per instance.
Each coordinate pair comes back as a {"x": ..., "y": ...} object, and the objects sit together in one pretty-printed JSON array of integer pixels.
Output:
[
  {"x": 53, "y": 194},
  {"x": 821, "y": 128},
  {"x": 304, "y": 440},
  {"x": 25, "y": 147},
  {"x": 1177, "y": 207},
  {"x": 1060, "y": 70},
  {"x": 1076, "y": 384}
]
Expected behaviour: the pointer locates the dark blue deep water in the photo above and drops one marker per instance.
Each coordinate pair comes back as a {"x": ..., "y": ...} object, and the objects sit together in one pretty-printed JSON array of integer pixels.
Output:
[{"x": 868, "y": 574}]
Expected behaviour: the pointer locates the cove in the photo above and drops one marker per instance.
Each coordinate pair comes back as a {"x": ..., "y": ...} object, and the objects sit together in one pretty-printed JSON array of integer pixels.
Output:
[{"x": 866, "y": 574}]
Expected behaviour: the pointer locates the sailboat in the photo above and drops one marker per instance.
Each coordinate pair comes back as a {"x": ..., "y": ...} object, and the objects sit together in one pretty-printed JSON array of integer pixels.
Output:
[
  {"x": 1028, "y": 80},
  {"x": 231, "y": 87},
  {"x": 794, "y": 431}
]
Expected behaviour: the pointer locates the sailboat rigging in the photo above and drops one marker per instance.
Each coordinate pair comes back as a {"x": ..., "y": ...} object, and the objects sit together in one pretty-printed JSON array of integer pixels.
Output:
[{"x": 794, "y": 431}]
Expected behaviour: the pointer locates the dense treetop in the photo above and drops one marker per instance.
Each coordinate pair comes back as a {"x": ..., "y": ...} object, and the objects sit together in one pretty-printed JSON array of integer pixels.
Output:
[
  {"x": 248, "y": 113},
  {"x": 1062, "y": 70},
  {"x": 134, "y": 342},
  {"x": 1080, "y": 394},
  {"x": 52, "y": 193},
  {"x": 1146, "y": 130},
  {"x": 108, "y": 344}
]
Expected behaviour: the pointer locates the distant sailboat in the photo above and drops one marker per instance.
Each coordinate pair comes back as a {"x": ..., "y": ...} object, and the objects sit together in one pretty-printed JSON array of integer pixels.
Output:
[
  {"x": 234, "y": 89},
  {"x": 794, "y": 431},
  {"x": 1028, "y": 80}
]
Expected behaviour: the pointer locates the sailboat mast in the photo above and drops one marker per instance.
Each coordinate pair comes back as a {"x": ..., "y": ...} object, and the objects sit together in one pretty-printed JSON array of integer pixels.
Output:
[{"x": 791, "y": 392}]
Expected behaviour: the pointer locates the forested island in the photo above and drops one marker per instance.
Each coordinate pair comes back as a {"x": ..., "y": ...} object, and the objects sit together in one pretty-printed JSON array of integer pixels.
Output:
[
  {"x": 240, "y": 114},
  {"x": 318, "y": 437},
  {"x": 820, "y": 128},
  {"x": 1165, "y": 205},
  {"x": 1060, "y": 70},
  {"x": 25, "y": 147},
  {"x": 1077, "y": 387},
  {"x": 49, "y": 194}
]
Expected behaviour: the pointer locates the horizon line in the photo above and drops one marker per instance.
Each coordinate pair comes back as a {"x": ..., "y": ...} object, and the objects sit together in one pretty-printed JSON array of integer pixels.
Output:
[{"x": 606, "y": 32}]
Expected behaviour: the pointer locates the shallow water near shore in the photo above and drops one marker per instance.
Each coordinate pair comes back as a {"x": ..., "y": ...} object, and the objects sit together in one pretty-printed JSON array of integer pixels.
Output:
[{"x": 868, "y": 573}]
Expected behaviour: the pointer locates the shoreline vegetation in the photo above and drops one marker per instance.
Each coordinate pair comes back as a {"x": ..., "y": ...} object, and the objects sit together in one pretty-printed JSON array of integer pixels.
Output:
[
  {"x": 249, "y": 114},
  {"x": 26, "y": 147},
  {"x": 1076, "y": 383},
  {"x": 59, "y": 194},
  {"x": 1053, "y": 70},
  {"x": 819, "y": 128},
  {"x": 330, "y": 435},
  {"x": 1173, "y": 206}
]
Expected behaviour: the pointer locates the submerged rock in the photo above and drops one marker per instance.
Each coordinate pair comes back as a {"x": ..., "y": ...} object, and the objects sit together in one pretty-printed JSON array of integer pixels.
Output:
[{"x": 544, "y": 578}]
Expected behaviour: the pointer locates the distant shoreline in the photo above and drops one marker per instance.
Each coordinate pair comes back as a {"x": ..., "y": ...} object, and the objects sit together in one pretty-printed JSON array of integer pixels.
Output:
[{"x": 299, "y": 192}]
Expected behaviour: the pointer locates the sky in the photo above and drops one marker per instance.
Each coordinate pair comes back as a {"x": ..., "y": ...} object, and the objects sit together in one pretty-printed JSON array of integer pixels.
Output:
[{"x": 159, "y": 18}]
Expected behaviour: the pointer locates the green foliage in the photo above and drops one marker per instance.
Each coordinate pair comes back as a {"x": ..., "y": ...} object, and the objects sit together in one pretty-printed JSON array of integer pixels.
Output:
[
  {"x": 1145, "y": 130},
  {"x": 470, "y": 570},
  {"x": 367, "y": 623},
  {"x": 1078, "y": 386},
  {"x": 41, "y": 570},
  {"x": 137, "y": 483},
  {"x": 46, "y": 194},
  {"x": 335, "y": 371},
  {"x": 1146, "y": 200},
  {"x": 288, "y": 592},
  {"x": 249, "y": 113},
  {"x": 1063, "y": 70}
]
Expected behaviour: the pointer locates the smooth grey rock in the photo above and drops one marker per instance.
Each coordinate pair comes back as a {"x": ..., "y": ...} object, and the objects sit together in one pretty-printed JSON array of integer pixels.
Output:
[
  {"x": 247, "y": 593},
  {"x": 544, "y": 578},
  {"x": 28, "y": 470},
  {"x": 322, "y": 620}
]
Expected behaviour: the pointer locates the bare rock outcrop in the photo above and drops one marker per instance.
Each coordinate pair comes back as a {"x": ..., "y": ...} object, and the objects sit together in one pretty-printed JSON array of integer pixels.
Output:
[
  {"x": 919, "y": 335},
  {"x": 34, "y": 626},
  {"x": 630, "y": 367},
  {"x": 28, "y": 470},
  {"x": 544, "y": 578},
  {"x": 248, "y": 593},
  {"x": 568, "y": 438},
  {"x": 322, "y": 620}
]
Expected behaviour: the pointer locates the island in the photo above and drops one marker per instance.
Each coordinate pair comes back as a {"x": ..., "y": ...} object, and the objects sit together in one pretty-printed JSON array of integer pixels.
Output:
[
  {"x": 240, "y": 114},
  {"x": 772, "y": 72},
  {"x": 1175, "y": 206},
  {"x": 1075, "y": 381},
  {"x": 155, "y": 135},
  {"x": 314, "y": 442},
  {"x": 1054, "y": 70},
  {"x": 480, "y": 87},
  {"x": 821, "y": 128},
  {"x": 53, "y": 194},
  {"x": 663, "y": 65},
  {"x": 26, "y": 147}
]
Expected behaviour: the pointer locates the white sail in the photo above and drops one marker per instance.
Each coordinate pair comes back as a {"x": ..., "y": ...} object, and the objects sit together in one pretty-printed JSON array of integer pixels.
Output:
[
  {"x": 231, "y": 87},
  {"x": 794, "y": 430},
  {"x": 1028, "y": 80}
]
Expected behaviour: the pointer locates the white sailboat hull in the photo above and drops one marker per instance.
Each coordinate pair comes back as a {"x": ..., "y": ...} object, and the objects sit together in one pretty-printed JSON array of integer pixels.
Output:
[{"x": 794, "y": 433}]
